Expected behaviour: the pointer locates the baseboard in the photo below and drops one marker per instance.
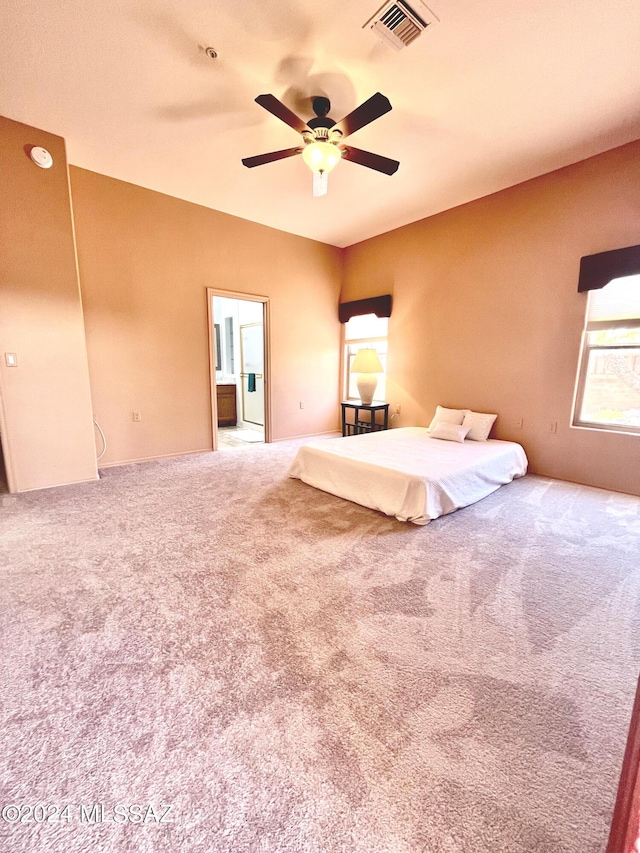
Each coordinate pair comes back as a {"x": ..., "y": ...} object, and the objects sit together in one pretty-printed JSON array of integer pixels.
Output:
[
  {"x": 209, "y": 450},
  {"x": 54, "y": 486},
  {"x": 154, "y": 458},
  {"x": 335, "y": 432},
  {"x": 546, "y": 476}
]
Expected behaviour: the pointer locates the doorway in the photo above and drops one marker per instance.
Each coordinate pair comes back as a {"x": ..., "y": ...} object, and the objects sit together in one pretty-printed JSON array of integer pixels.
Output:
[{"x": 238, "y": 347}]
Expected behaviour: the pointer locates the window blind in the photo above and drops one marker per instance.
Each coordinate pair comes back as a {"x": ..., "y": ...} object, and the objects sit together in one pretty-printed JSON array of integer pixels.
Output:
[{"x": 615, "y": 306}]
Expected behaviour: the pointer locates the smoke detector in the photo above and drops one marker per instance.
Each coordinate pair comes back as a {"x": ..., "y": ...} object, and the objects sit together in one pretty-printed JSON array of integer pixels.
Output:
[
  {"x": 398, "y": 24},
  {"x": 41, "y": 157}
]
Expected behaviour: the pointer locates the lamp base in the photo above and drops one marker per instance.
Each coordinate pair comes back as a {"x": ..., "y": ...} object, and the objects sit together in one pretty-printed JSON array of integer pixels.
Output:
[{"x": 367, "y": 383}]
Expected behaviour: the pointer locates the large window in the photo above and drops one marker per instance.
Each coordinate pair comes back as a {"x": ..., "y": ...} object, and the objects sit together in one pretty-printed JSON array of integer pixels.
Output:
[
  {"x": 364, "y": 331},
  {"x": 608, "y": 393}
]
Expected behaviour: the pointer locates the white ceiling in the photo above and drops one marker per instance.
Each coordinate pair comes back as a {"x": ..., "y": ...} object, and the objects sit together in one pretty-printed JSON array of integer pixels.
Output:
[{"x": 496, "y": 93}]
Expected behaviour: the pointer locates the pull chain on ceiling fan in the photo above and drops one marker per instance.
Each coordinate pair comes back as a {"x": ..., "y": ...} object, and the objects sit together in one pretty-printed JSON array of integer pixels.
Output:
[{"x": 322, "y": 137}]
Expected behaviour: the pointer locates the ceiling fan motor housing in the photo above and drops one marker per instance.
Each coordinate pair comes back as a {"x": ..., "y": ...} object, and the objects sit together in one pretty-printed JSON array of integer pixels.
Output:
[
  {"x": 315, "y": 123},
  {"x": 321, "y": 107}
]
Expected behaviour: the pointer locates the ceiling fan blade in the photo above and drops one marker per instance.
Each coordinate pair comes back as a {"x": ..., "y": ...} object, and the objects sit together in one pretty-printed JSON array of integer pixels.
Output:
[
  {"x": 258, "y": 160},
  {"x": 278, "y": 109},
  {"x": 371, "y": 161},
  {"x": 376, "y": 106}
]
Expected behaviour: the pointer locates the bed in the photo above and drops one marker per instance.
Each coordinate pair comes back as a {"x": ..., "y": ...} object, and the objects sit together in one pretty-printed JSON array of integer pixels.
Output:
[{"x": 406, "y": 473}]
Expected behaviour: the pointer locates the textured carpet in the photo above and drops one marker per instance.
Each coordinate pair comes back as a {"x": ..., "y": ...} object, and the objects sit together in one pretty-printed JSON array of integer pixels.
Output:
[{"x": 292, "y": 672}]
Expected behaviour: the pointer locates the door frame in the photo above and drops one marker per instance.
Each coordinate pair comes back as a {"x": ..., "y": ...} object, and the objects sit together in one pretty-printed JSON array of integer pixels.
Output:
[
  {"x": 6, "y": 449},
  {"x": 247, "y": 297}
]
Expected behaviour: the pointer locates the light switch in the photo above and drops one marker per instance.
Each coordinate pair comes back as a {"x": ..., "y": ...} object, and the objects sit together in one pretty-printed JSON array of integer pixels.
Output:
[{"x": 11, "y": 359}]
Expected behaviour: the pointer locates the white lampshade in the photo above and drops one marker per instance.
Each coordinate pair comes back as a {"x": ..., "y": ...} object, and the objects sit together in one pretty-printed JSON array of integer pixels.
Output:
[
  {"x": 321, "y": 156},
  {"x": 367, "y": 363}
]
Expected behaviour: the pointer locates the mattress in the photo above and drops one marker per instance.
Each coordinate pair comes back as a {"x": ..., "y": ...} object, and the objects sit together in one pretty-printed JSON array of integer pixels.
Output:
[{"x": 406, "y": 473}]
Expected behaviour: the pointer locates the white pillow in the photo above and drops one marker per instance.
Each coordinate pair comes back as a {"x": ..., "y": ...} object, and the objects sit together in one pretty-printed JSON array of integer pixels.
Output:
[
  {"x": 448, "y": 416},
  {"x": 449, "y": 432},
  {"x": 479, "y": 425}
]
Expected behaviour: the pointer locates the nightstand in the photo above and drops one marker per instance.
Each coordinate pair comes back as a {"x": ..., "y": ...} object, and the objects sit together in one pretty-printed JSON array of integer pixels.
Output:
[{"x": 365, "y": 418}]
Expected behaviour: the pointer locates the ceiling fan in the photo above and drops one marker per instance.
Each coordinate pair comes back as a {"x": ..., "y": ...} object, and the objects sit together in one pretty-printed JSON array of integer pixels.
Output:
[{"x": 323, "y": 136}]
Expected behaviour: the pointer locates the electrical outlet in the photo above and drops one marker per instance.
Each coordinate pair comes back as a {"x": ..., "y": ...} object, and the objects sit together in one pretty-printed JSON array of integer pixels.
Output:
[
  {"x": 302, "y": 404},
  {"x": 137, "y": 416},
  {"x": 519, "y": 423},
  {"x": 552, "y": 426}
]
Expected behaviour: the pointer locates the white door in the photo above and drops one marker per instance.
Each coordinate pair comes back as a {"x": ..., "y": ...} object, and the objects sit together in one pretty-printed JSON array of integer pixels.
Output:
[{"x": 252, "y": 358}]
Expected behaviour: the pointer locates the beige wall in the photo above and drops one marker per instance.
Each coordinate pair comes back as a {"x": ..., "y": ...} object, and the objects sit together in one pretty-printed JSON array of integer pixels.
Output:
[
  {"x": 145, "y": 261},
  {"x": 46, "y": 406},
  {"x": 486, "y": 313}
]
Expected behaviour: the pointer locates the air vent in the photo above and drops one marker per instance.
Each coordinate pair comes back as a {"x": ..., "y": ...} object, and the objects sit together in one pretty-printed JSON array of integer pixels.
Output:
[{"x": 398, "y": 24}]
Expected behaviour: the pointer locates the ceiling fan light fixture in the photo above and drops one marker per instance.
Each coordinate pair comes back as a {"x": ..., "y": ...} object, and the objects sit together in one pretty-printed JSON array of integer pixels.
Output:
[{"x": 321, "y": 156}]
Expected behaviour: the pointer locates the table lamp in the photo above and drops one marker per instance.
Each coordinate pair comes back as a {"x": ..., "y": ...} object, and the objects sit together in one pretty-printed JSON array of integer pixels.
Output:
[{"x": 367, "y": 363}]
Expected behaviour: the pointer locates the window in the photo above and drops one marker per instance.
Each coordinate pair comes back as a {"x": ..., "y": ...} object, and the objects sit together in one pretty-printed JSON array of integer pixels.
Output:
[
  {"x": 608, "y": 394},
  {"x": 365, "y": 330}
]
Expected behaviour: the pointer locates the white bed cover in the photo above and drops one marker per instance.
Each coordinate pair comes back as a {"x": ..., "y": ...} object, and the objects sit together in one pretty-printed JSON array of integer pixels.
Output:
[{"x": 406, "y": 473}]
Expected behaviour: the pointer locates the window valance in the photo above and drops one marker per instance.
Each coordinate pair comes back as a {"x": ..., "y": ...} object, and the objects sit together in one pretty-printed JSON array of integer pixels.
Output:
[
  {"x": 598, "y": 270},
  {"x": 378, "y": 305}
]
